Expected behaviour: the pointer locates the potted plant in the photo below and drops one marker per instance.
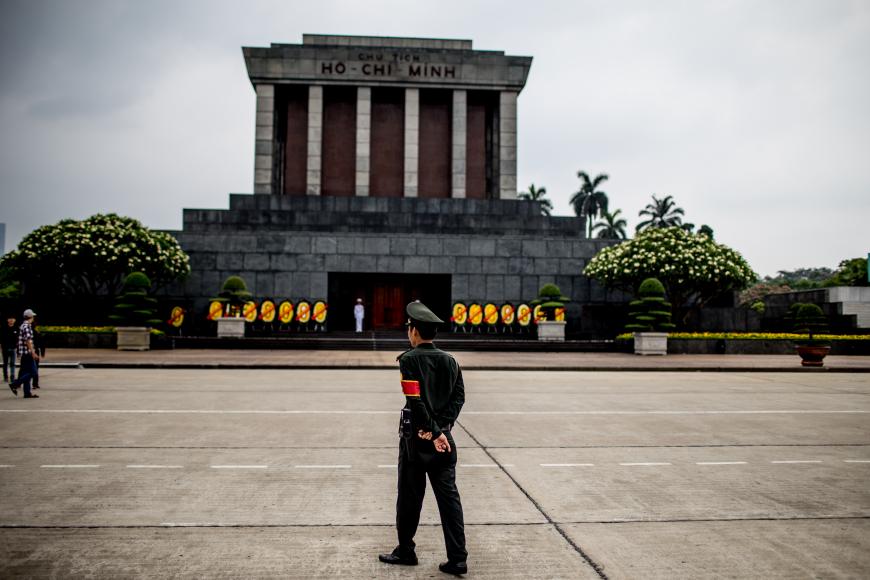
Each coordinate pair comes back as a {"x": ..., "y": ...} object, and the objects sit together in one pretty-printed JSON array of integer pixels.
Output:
[
  {"x": 810, "y": 319},
  {"x": 134, "y": 313},
  {"x": 552, "y": 304},
  {"x": 233, "y": 295},
  {"x": 650, "y": 319}
]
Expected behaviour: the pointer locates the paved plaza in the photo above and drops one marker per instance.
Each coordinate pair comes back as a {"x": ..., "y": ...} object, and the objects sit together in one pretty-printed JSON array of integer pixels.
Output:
[{"x": 230, "y": 473}]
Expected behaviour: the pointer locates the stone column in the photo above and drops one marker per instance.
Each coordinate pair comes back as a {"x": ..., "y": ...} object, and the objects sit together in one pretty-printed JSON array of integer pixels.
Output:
[
  {"x": 460, "y": 142},
  {"x": 315, "y": 138},
  {"x": 363, "y": 139},
  {"x": 412, "y": 140},
  {"x": 265, "y": 139},
  {"x": 507, "y": 139}
]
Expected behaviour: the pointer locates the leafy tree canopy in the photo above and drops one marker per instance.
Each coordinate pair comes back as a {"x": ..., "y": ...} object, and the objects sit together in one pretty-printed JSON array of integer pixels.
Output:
[
  {"x": 801, "y": 278},
  {"x": 92, "y": 256},
  {"x": 692, "y": 267},
  {"x": 538, "y": 194}
]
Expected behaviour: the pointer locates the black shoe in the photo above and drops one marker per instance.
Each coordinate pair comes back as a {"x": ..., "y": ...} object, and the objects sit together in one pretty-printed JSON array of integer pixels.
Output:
[
  {"x": 455, "y": 568},
  {"x": 31, "y": 396},
  {"x": 396, "y": 557},
  {"x": 13, "y": 389}
]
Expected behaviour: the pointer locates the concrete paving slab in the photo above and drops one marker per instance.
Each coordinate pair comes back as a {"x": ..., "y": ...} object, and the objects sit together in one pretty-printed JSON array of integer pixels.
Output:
[
  {"x": 695, "y": 446},
  {"x": 667, "y": 484},
  {"x": 106, "y": 487},
  {"x": 666, "y": 430},
  {"x": 744, "y": 549},
  {"x": 592, "y": 361},
  {"x": 497, "y": 552}
]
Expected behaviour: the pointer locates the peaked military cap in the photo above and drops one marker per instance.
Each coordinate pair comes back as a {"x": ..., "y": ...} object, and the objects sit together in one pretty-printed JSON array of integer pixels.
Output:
[{"x": 418, "y": 312}]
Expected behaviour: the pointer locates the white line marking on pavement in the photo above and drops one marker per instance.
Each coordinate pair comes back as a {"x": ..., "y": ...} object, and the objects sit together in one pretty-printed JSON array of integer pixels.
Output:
[
  {"x": 391, "y": 466},
  {"x": 798, "y": 461},
  {"x": 7, "y": 466},
  {"x": 567, "y": 464},
  {"x": 478, "y": 465},
  {"x": 70, "y": 466},
  {"x": 720, "y": 463},
  {"x": 356, "y": 412},
  {"x": 239, "y": 466},
  {"x": 322, "y": 466},
  {"x": 844, "y": 461},
  {"x": 647, "y": 463},
  {"x": 155, "y": 467}
]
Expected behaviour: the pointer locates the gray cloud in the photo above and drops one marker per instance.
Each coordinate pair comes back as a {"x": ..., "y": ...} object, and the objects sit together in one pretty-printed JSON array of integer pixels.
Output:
[{"x": 752, "y": 115}]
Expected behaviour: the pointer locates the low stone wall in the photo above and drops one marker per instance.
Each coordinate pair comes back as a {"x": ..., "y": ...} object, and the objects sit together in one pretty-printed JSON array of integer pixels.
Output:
[
  {"x": 80, "y": 340},
  {"x": 738, "y": 346},
  {"x": 97, "y": 340}
]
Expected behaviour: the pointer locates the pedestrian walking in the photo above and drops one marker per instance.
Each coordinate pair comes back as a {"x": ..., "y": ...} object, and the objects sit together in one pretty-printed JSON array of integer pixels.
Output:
[
  {"x": 28, "y": 356},
  {"x": 359, "y": 312},
  {"x": 9, "y": 344},
  {"x": 39, "y": 347},
  {"x": 434, "y": 395}
]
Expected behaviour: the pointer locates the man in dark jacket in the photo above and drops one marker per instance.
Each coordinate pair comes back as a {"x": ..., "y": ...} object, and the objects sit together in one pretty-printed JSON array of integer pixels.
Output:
[
  {"x": 434, "y": 395},
  {"x": 9, "y": 343}
]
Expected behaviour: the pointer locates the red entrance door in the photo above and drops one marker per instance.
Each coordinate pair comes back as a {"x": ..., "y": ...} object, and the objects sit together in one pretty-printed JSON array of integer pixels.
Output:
[{"x": 388, "y": 306}]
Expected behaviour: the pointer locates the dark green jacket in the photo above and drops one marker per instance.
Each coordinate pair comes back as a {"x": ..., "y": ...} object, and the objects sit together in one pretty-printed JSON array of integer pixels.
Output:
[{"x": 433, "y": 387}]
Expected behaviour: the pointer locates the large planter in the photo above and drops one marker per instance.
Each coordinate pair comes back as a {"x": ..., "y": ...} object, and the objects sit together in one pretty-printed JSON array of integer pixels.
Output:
[
  {"x": 812, "y": 355},
  {"x": 231, "y": 327},
  {"x": 651, "y": 343},
  {"x": 551, "y": 331},
  {"x": 133, "y": 337}
]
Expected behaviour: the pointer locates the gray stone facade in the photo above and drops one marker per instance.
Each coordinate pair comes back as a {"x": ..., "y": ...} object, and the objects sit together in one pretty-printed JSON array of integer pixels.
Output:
[
  {"x": 366, "y": 62},
  {"x": 286, "y": 247}
]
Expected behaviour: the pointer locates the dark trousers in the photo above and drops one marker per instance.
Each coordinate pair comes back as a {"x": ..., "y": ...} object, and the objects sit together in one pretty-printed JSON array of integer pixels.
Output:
[
  {"x": 417, "y": 459},
  {"x": 25, "y": 373},
  {"x": 8, "y": 364}
]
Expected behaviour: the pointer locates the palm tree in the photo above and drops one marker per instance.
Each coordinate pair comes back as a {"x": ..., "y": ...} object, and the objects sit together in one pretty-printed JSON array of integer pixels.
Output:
[
  {"x": 662, "y": 213},
  {"x": 611, "y": 226},
  {"x": 537, "y": 194},
  {"x": 589, "y": 202}
]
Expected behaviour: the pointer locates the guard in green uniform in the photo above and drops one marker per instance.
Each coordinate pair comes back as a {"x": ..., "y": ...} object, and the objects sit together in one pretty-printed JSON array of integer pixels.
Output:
[{"x": 434, "y": 394}]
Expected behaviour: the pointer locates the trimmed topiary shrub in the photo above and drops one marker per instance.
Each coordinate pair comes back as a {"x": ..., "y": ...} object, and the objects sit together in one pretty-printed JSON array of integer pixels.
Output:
[
  {"x": 650, "y": 312},
  {"x": 809, "y": 319},
  {"x": 234, "y": 293},
  {"x": 550, "y": 298},
  {"x": 134, "y": 307}
]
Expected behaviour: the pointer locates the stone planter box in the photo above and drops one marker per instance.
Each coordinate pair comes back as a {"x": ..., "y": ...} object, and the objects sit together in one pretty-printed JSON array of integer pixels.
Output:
[
  {"x": 231, "y": 327},
  {"x": 551, "y": 331},
  {"x": 651, "y": 343},
  {"x": 133, "y": 337}
]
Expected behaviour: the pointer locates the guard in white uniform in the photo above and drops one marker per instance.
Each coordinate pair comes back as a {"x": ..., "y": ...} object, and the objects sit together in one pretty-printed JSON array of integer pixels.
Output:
[{"x": 359, "y": 312}]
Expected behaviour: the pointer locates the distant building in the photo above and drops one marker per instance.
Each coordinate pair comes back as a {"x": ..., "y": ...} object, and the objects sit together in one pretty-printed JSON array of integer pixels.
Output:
[
  {"x": 386, "y": 168},
  {"x": 2, "y": 239}
]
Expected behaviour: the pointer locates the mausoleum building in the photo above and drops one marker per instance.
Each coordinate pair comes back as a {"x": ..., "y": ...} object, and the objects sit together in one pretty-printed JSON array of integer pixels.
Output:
[{"x": 386, "y": 169}]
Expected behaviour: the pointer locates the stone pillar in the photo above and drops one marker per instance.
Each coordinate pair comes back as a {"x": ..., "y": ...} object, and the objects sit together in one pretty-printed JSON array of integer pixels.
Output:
[
  {"x": 363, "y": 139},
  {"x": 265, "y": 139},
  {"x": 507, "y": 139},
  {"x": 460, "y": 142},
  {"x": 412, "y": 140},
  {"x": 315, "y": 138}
]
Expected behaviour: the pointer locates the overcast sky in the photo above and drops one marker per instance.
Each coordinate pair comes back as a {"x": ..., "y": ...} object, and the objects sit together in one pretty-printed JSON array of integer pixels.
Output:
[{"x": 754, "y": 115}]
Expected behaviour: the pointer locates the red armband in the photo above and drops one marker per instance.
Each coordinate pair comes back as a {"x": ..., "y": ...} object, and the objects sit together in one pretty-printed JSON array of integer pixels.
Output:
[{"x": 411, "y": 388}]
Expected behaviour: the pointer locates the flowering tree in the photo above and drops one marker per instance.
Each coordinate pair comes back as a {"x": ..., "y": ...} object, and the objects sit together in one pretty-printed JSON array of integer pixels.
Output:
[
  {"x": 92, "y": 256},
  {"x": 692, "y": 267}
]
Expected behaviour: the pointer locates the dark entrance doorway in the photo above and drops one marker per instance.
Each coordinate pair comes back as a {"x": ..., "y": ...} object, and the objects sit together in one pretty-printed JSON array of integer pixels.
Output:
[{"x": 385, "y": 297}]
